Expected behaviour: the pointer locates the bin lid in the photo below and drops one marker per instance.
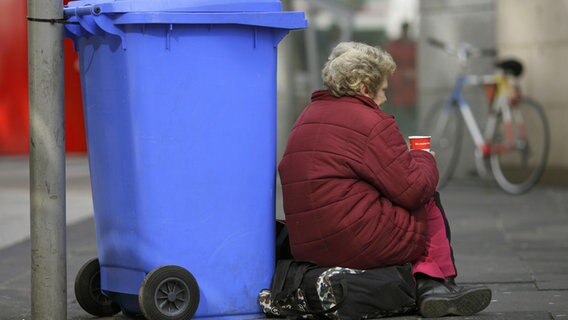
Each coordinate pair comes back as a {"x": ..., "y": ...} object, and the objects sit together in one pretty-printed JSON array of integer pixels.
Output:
[
  {"x": 266, "y": 13},
  {"x": 125, "y": 6}
]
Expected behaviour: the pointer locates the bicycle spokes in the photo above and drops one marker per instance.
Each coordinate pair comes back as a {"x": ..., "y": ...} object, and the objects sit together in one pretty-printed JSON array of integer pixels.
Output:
[{"x": 522, "y": 146}]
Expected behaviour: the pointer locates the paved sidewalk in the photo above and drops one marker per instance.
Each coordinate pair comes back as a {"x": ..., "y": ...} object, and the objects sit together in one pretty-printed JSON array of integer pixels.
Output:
[{"x": 518, "y": 245}]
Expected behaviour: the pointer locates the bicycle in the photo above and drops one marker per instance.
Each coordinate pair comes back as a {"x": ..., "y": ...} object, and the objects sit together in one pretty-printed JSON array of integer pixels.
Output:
[{"x": 514, "y": 144}]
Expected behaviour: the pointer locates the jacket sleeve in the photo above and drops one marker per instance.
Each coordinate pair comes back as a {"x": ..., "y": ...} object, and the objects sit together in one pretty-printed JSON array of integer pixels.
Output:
[{"x": 406, "y": 177}]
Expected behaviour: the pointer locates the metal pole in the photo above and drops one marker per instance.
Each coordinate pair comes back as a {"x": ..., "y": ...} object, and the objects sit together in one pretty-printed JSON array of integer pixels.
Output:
[{"x": 47, "y": 160}]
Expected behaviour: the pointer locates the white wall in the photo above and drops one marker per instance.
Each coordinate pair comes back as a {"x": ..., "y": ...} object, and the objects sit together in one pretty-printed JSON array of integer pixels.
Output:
[{"x": 536, "y": 32}]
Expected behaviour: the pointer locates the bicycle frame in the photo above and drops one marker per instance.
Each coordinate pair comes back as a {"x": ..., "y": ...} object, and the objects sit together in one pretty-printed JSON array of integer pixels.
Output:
[
  {"x": 500, "y": 105},
  {"x": 503, "y": 138}
]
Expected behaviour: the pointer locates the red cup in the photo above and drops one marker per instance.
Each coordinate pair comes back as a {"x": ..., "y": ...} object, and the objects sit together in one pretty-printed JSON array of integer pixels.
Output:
[{"x": 419, "y": 143}]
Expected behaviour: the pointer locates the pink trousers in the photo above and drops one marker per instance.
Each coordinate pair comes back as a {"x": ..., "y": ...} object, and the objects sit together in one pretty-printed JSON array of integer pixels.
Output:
[{"x": 437, "y": 260}]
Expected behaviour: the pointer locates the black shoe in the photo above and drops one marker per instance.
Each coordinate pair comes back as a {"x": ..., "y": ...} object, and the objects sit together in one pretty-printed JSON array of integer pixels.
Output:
[{"x": 436, "y": 299}]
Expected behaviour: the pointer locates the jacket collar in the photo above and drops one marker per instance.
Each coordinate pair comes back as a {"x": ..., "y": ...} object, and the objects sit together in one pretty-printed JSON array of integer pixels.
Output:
[{"x": 326, "y": 95}]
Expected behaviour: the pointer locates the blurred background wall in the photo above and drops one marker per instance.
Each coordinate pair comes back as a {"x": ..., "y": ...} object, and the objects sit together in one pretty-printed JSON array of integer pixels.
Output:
[
  {"x": 533, "y": 31},
  {"x": 537, "y": 33},
  {"x": 452, "y": 22}
]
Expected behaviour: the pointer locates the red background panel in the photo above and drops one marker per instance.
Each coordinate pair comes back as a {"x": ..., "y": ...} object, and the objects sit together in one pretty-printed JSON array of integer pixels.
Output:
[{"x": 14, "y": 122}]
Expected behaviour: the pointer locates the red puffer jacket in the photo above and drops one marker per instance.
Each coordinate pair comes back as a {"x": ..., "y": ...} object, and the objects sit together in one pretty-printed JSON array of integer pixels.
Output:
[{"x": 354, "y": 196}]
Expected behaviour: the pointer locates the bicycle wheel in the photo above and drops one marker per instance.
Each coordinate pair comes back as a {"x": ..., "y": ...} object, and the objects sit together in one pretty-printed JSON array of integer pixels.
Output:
[
  {"x": 520, "y": 164},
  {"x": 445, "y": 125}
]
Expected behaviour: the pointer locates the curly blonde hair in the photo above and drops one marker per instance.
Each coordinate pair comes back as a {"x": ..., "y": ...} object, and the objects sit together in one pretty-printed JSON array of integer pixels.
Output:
[{"x": 352, "y": 64}]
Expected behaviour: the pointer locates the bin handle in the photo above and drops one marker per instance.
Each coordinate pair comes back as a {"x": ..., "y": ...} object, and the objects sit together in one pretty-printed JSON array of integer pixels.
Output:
[{"x": 91, "y": 21}]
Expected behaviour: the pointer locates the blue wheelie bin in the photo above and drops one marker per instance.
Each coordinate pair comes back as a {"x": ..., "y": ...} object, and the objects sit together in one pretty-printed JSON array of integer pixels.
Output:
[{"x": 180, "y": 111}]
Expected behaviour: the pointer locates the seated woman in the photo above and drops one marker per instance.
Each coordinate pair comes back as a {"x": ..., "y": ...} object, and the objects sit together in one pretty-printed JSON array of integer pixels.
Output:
[{"x": 355, "y": 196}]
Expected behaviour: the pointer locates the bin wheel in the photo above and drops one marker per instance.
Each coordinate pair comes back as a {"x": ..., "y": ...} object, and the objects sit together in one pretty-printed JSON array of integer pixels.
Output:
[
  {"x": 169, "y": 293},
  {"x": 88, "y": 291}
]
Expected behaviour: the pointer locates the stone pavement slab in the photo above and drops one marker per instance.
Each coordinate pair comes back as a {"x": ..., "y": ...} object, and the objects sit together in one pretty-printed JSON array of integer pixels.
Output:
[{"x": 15, "y": 197}]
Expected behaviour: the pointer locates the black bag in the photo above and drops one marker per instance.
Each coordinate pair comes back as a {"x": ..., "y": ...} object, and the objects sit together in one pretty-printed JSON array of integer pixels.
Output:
[
  {"x": 304, "y": 290},
  {"x": 283, "y": 251}
]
